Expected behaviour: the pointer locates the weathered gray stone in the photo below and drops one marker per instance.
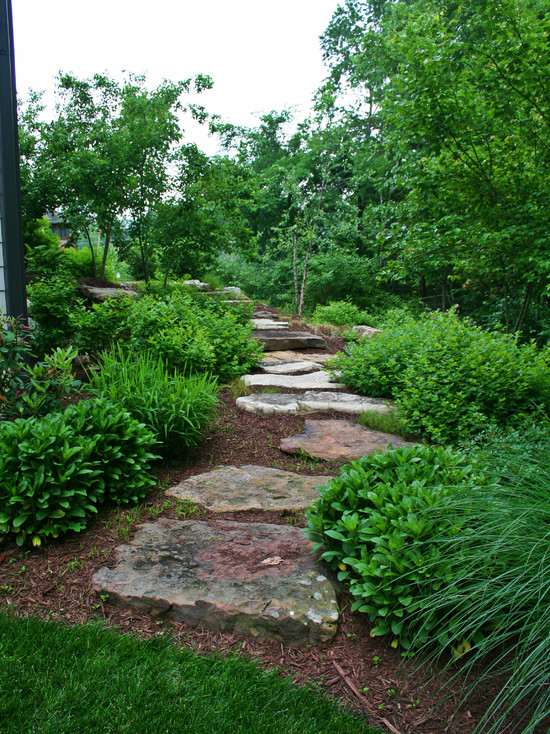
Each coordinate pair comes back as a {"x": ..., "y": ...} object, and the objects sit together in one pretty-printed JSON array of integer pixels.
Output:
[
  {"x": 265, "y": 315},
  {"x": 290, "y": 356},
  {"x": 362, "y": 331},
  {"x": 274, "y": 340},
  {"x": 98, "y": 294},
  {"x": 339, "y": 440},
  {"x": 238, "y": 489},
  {"x": 291, "y": 368},
  {"x": 311, "y": 401},
  {"x": 198, "y": 284},
  {"x": 343, "y": 402},
  {"x": 259, "y": 579},
  {"x": 320, "y": 380},
  {"x": 268, "y": 324},
  {"x": 269, "y": 404}
]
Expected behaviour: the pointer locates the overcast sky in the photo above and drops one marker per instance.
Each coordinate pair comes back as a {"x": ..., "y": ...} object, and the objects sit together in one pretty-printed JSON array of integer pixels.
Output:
[{"x": 262, "y": 54}]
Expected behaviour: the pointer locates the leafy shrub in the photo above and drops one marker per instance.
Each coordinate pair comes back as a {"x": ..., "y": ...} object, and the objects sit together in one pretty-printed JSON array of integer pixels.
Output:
[
  {"x": 193, "y": 338},
  {"x": 28, "y": 389},
  {"x": 339, "y": 313},
  {"x": 44, "y": 256},
  {"x": 51, "y": 305},
  {"x": 495, "y": 604},
  {"x": 56, "y": 470},
  {"x": 370, "y": 524},
  {"x": 97, "y": 328},
  {"x": 177, "y": 409},
  {"x": 450, "y": 379},
  {"x": 375, "y": 366}
]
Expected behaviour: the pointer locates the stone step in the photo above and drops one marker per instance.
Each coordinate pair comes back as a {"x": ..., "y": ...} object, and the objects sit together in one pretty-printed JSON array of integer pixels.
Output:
[
  {"x": 291, "y": 368},
  {"x": 319, "y": 380},
  {"x": 276, "y": 340},
  {"x": 240, "y": 489},
  {"x": 268, "y": 324},
  {"x": 288, "y": 356},
  {"x": 339, "y": 440},
  {"x": 311, "y": 401},
  {"x": 257, "y": 579}
]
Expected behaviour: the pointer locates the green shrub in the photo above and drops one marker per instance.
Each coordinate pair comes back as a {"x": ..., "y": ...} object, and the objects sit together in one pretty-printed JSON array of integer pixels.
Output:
[
  {"x": 28, "y": 389},
  {"x": 339, "y": 313},
  {"x": 375, "y": 366},
  {"x": 52, "y": 302},
  {"x": 494, "y": 610},
  {"x": 44, "y": 255},
  {"x": 371, "y": 526},
  {"x": 193, "y": 338},
  {"x": 98, "y": 327},
  {"x": 176, "y": 408},
  {"x": 56, "y": 470},
  {"x": 450, "y": 379}
]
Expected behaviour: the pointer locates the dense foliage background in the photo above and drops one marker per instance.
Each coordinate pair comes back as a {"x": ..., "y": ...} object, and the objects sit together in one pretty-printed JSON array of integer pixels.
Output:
[{"x": 422, "y": 174}]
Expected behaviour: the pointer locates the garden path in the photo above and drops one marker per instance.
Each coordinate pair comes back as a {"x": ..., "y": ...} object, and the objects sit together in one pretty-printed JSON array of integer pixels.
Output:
[{"x": 256, "y": 578}]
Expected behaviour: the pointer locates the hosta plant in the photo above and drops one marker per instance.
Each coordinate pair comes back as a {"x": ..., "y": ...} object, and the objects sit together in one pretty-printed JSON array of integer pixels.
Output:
[
  {"x": 371, "y": 525},
  {"x": 56, "y": 470}
]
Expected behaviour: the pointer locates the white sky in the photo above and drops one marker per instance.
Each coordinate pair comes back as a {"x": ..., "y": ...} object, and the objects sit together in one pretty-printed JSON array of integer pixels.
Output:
[{"x": 262, "y": 54}]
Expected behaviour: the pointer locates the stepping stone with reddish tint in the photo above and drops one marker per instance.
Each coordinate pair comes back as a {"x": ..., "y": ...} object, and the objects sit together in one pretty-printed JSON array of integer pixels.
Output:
[
  {"x": 339, "y": 440},
  {"x": 278, "y": 339},
  {"x": 257, "y": 579},
  {"x": 237, "y": 489}
]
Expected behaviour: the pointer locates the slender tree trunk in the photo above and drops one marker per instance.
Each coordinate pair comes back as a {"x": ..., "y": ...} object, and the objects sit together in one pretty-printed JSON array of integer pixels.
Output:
[
  {"x": 92, "y": 251},
  {"x": 105, "y": 250},
  {"x": 303, "y": 286},
  {"x": 165, "y": 279},
  {"x": 295, "y": 269},
  {"x": 524, "y": 310}
]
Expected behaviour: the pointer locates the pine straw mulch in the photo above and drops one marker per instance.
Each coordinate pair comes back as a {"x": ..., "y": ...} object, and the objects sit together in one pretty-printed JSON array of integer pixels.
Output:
[{"x": 55, "y": 582}]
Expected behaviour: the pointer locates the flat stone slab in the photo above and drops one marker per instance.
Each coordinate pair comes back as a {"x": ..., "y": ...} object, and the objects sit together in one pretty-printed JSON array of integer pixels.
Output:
[
  {"x": 237, "y": 489},
  {"x": 311, "y": 401},
  {"x": 291, "y": 368},
  {"x": 281, "y": 339},
  {"x": 265, "y": 315},
  {"x": 339, "y": 440},
  {"x": 368, "y": 331},
  {"x": 320, "y": 380},
  {"x": 268, "y": 324},
  {"x": 258, "y": 579},
  {"x": 98, "y": 295},
  {"x": 290, "y": 356}
]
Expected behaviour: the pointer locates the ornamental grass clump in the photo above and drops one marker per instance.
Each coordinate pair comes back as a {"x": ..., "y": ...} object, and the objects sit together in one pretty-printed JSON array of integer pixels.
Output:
[
  {"x": 178, "y": 409},
  {"x": 493, "y": 612},
  {"x": 370, "y": 524},
  {"x": 56, "y": 470}
]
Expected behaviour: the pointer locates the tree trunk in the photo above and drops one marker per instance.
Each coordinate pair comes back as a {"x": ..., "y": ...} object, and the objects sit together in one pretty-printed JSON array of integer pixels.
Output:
[
  {"x": 524, "y": 310},
  {"x": 303, "y": 286},
  {"x": 295, "y": 269},
  {"x": 105, "y": 250},
  {"x": 92, "y": 251}
]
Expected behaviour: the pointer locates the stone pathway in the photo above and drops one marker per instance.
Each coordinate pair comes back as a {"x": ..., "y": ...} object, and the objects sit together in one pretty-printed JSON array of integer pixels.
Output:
[
  {"x": 237, "y": 489},
  {"x": 311, "y": 401},
  {"x": 339, "y": 440},
  {"x": 255, "y": 578}
]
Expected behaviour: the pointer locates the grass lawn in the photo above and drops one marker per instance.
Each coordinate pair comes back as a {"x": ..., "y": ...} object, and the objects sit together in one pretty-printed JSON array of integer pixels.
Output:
[{"x": 62, "y": 680}]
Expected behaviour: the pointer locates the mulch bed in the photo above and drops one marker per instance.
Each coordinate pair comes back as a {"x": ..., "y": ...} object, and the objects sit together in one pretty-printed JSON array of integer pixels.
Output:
[{"x": 55, "y": 583}]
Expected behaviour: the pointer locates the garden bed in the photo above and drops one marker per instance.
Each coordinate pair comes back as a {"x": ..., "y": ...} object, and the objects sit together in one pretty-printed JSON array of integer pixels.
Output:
[{"x": 55, "y": 583}]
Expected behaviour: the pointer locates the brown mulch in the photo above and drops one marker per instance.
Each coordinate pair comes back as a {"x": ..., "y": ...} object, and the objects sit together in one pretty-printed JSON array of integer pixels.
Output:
[{"x": 55, "y": 582}]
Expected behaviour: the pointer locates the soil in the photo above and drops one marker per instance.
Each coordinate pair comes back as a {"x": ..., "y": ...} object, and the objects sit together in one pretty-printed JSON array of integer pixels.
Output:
[{"x": 54, "y": 582}]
